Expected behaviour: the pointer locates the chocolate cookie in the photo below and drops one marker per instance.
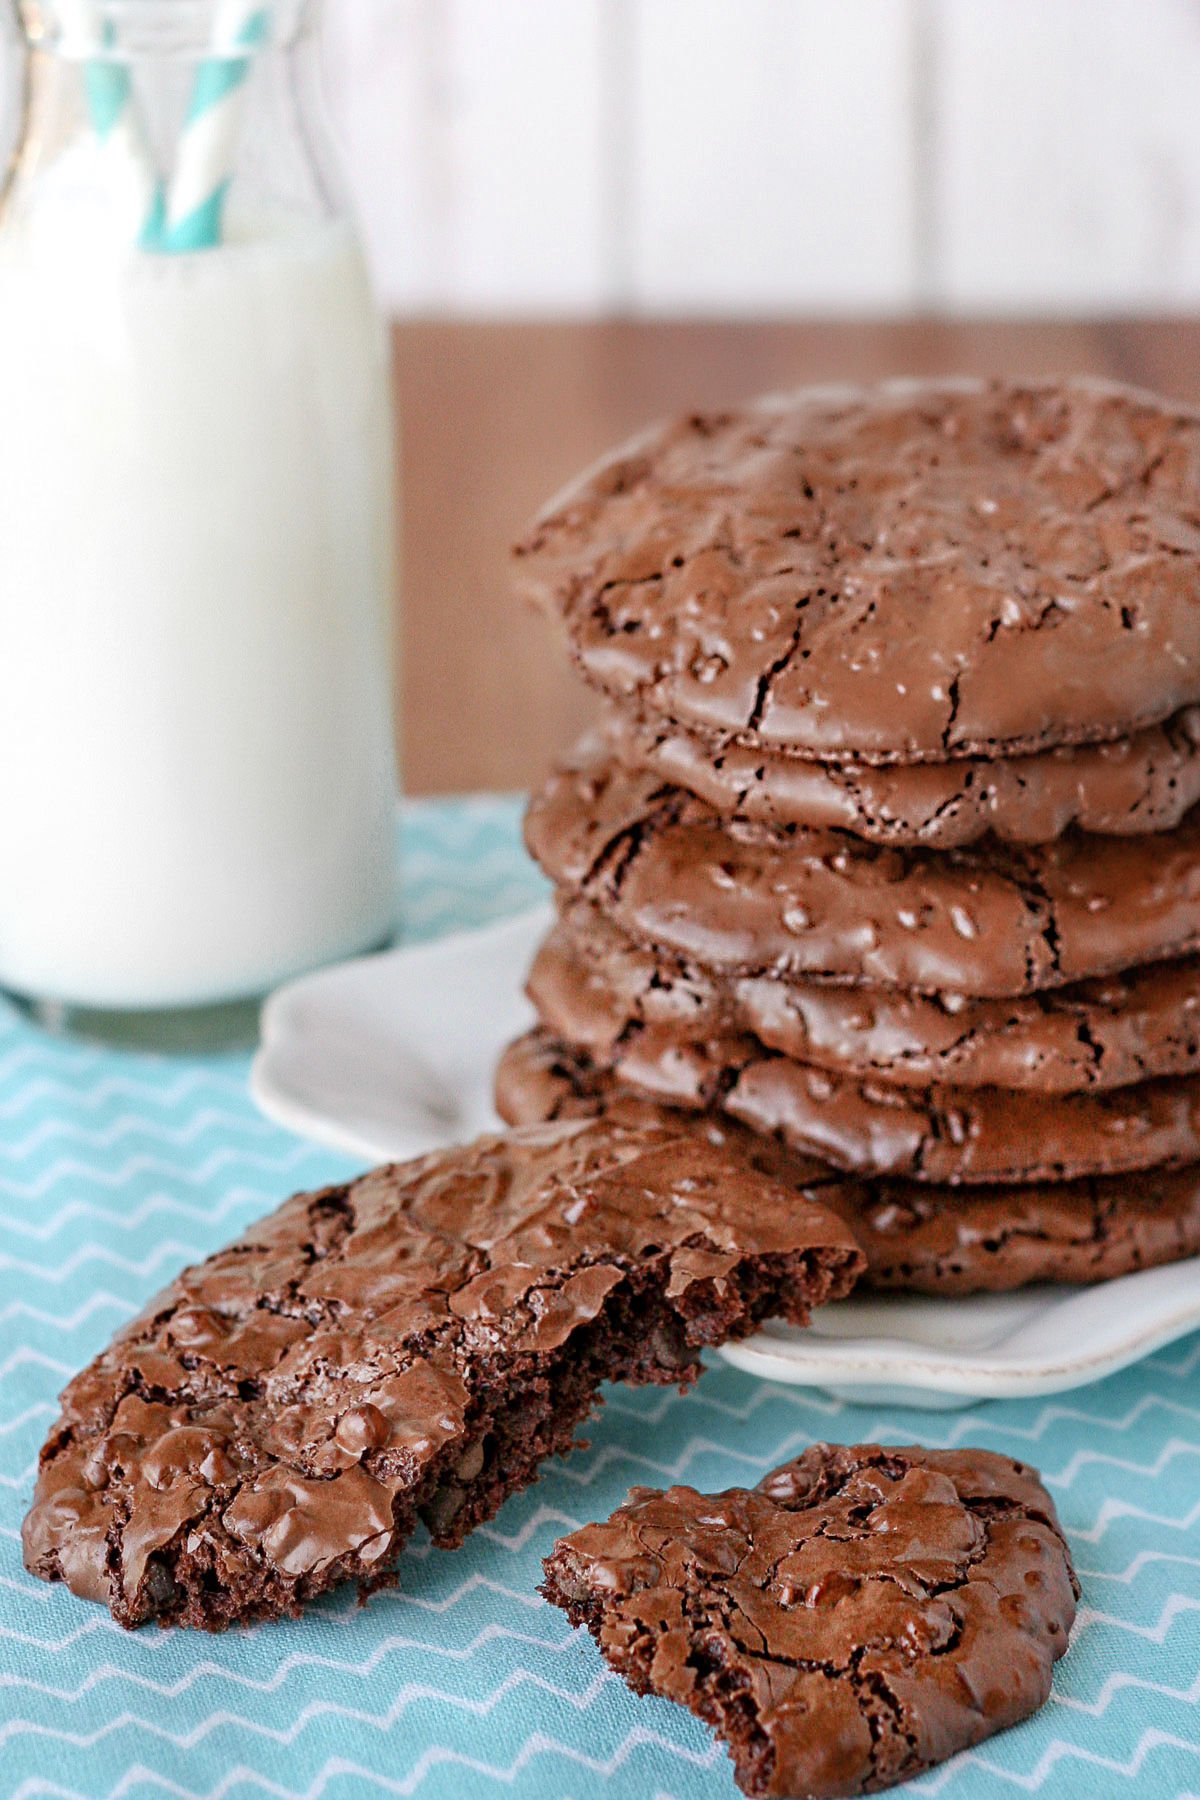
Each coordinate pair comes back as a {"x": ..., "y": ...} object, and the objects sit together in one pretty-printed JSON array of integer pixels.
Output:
[
  {"x": 904, "y": 573},
  {"x": 1136, "y": 784},
  {"x": 942, "y": 1135},
  {"x": 412, "y": 1344},
  {"x": 595, "y": 987},
  {"x": 859, "y": 1616},
  {"x": 994, "y": 920},
  {"x": 928, "y": 1240},
  {"x": 952, "y": 1135},
  {"x": 917, "y": 1238}
]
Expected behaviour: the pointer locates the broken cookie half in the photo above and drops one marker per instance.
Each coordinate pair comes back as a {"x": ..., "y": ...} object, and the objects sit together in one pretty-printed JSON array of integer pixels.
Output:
[{"x": 408, "y": 1346}]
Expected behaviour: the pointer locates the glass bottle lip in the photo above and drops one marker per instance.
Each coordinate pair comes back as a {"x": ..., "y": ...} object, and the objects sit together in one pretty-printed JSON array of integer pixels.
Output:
[{"x": 122, "y": 30}]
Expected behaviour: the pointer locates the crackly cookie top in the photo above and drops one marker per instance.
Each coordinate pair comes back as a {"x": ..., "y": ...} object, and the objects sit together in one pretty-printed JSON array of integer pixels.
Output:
[
  {"x": 1146, "y": 782},
  {"x": 992, "y": 920},
  {"x": 268, "y": 1422},
  {"x": 994, "y": 1239},
  {"x": 861, "y": 1615},
  {"x": 940, "y": 1134},
  {"x": 905, "y": 572},
  {"x": 596, "y": 988},
  {"x": 949, "y": 1135}
]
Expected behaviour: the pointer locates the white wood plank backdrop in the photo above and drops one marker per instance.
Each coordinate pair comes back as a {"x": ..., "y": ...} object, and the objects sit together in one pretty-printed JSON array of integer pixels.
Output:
[
  {"x": 774, "y": 155},
  {"x": 770, "y": 156}
]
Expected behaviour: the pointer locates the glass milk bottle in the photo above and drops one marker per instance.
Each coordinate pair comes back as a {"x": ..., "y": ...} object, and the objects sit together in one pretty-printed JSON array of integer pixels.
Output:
[{"x": 196, "y": 772}]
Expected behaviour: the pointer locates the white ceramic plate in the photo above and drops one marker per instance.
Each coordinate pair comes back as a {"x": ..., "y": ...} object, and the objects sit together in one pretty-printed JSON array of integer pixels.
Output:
[{"x": 390, "y": 1056}]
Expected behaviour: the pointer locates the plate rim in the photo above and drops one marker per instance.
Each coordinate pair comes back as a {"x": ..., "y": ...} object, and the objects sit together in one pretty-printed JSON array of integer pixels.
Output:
[
  {"x": 296, "y": 1115},
  {"x": 893, "y": 1362}
]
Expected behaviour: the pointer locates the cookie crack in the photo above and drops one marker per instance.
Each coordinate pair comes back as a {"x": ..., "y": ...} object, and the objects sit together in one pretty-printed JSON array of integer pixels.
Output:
[
  {"x": 953, "y": 694},
  {"x": 1030, "y": 885},
  {"x": 949, "y": 807},
  {"x": 1093, "y": 1046},
  {"x": 874, "y": 1682},
  {"x": 616, "y": 857},
  {"x": 766, "y": 680}
]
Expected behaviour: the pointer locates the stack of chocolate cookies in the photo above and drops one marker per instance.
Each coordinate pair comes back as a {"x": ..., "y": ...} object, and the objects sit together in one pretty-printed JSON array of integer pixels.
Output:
[{"x": 887, "y": 853}]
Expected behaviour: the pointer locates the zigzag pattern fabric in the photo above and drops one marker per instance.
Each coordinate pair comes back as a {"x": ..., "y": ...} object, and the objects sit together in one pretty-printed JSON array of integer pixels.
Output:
[{"x": 463, "y": 1683}]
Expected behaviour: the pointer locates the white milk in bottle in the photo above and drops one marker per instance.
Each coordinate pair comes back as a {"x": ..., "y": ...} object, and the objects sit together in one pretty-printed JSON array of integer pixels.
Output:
[{"x": 196, "y": 774}]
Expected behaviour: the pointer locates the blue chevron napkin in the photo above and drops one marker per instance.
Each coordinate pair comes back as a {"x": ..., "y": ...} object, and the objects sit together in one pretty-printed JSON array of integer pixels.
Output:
[{"x": 116, "y": 1169}]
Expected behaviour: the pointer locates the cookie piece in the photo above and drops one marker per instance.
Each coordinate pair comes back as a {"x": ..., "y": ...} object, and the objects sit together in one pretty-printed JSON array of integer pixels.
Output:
[
  {"x": 943, "y": 1135},
  {"x": 901, "y": 573},
  {"x": 412, "y": 1344},
  {"x": 596, "y": 988},
  {"x": 1132, "y": 785},
  {"x": 861, "y": 1615},
  {"x": 917, "y": 1238},
  {"x": 994, "y": 921}
]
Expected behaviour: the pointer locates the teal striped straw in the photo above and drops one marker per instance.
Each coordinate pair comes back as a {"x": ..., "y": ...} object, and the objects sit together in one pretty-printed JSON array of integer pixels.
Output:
[
  {"x": 108, "y": 89},
  {"x": 107, "y": 83},
  {"x": 208, "y": 144}
]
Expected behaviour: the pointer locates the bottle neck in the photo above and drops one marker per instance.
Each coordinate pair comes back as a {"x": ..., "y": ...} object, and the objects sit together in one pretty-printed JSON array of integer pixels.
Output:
[{"x": 170, "y": 126}]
